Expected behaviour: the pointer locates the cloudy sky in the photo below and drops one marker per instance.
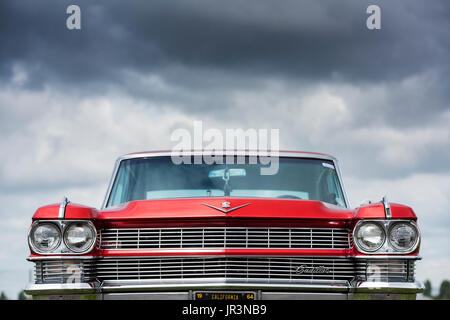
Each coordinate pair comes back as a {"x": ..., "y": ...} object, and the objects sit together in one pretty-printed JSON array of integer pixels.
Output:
[{"x": 71, "y": 101}]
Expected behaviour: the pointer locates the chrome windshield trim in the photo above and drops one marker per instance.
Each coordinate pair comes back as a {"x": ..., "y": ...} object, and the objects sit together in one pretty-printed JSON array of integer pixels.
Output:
[
  {"x": 290, "y": 154},
  {"x": 341, "y": 182},
  {"x": 111, "y": 183},
  {"x": 280, "y": 154}
]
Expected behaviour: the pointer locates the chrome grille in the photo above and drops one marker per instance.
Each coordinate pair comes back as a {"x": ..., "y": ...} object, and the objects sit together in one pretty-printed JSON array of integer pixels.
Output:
[
  {"x": 267, "y": 269},
  {"x": 273, "y": 268},
  {"x": 64, "y": 271},
  {"x": 225, "y": 237},
  {"x": 386, "y": 270}
]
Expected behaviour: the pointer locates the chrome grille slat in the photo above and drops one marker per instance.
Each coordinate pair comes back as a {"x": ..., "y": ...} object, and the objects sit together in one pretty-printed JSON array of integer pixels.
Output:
[
  {"x": 225, "y": 237},
  {"x": 59, "y": 271},
  {"x": 265, "y": 268},
  {"x": 268, "y": 268},
  {"x": 386, "y": 270}
]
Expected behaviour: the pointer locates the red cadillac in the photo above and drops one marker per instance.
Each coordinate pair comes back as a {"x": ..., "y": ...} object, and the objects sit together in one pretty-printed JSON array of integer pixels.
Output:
[{"x": 225, "y": 231}]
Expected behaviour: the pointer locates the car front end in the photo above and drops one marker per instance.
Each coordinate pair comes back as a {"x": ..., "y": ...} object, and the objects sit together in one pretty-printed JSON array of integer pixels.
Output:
[{"x": 224, "y": 232}]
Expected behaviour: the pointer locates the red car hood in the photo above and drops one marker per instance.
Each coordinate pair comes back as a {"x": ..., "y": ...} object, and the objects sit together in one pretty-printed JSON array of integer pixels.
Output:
[
  {"x": 199, "y": 208},
  {"x": 217, "y": 208}
]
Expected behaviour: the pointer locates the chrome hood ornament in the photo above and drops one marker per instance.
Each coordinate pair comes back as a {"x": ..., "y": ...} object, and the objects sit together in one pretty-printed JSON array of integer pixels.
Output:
[
  {"x": 62, "y": 208},
  {"x": 387, "y": 207}
]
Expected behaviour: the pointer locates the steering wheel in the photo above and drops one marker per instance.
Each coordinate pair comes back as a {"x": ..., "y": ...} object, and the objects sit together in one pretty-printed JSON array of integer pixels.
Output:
[{"x": 288, "y": 196}]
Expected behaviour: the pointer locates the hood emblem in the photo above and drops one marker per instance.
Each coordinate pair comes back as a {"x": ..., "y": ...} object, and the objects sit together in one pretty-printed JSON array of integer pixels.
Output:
[{"x": 225, "y": 205}]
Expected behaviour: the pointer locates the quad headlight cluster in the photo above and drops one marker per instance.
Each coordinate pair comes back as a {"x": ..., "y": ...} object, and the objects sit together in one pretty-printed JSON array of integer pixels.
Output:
[
  {"x": 62, "y": 237},
  {"x": 386, "y": 236}
]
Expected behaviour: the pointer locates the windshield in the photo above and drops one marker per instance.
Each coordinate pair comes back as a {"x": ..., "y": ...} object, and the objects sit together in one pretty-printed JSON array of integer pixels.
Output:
[{"x": 160, "y": 178}]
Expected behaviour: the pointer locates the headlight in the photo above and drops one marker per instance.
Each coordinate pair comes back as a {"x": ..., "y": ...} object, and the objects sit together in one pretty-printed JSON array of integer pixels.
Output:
[
  {"x": 45, "y": 237},
  {"x": 403, "y": 236},
  {"x": 79, "y": 237},
  {"x": 370, "y": 236}
]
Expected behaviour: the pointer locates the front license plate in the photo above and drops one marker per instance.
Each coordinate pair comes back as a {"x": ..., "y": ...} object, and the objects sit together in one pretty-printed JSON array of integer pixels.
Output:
[{"x": 228, "y": 296}]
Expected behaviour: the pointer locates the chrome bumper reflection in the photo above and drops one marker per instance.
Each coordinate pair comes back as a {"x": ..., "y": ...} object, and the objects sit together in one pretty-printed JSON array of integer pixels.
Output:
[
  {"x": 283, "y": 290},
  {"x": 389, "y": 287}
]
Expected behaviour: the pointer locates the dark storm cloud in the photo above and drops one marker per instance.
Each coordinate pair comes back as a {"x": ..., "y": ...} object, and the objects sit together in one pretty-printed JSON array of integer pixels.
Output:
[
  {"x": 201, "y": 56},
  {"x": 198, "y": 46},
  {"x": 302, "y": 39}
]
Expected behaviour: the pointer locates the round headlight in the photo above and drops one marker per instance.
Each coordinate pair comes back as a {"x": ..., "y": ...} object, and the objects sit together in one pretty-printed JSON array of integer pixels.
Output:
[
  {"x": 403, "y": 236},
  {"x": 45, "y": 237},
  {"x": 370, "y": 236},
  {"x": 79, "y": 236}
]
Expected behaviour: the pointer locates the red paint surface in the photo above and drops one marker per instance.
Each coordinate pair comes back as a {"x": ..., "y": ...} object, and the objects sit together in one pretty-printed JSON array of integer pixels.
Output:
[{"x": 193, "y": 208}]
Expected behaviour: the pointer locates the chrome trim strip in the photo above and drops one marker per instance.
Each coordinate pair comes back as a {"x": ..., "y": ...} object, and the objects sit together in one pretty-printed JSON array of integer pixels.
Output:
[
  {"x": 381, "y": 257},
  {"x": 63, "y": 258},
  {"x": 218, "y": 282},
  {"x": 156, "y": 295},
  {"x": 225, "y": 281},
  {"x": 387, "y": 207},
  {"x": 281, "y": 154},
  {"x": 225, "y": 256},
  {"x": 93, "y": 288},
  {"x": 277, "y": 295},
  {"x": 384, "y": 257},
  {"x": 62, "y": 288},
  {"x": 389, "y": 287},
  {"x": 62, "y": 208},
  {"x": 362, "y": 287},
  {"x": 212, "y": 283}
]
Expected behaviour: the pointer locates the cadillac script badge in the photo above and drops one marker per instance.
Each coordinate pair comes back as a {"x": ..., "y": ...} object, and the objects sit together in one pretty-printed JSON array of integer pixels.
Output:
[{"x": 312, "y": 270}]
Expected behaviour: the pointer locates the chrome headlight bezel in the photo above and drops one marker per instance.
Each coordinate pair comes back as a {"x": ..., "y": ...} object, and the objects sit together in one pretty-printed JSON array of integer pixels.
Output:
[
  {"x": 409, "y": 224},
  {"x": 62, "y": 248},
  {"x": 31, "y": 243},
  {"x": 359, "y": 245},
  {"x": 387, "y": 247},
  {"x": 89, "y": 226}
]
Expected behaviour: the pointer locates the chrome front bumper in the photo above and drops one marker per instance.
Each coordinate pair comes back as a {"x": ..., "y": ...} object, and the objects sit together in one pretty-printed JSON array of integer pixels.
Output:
[{"x": 264, "y": 291}]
